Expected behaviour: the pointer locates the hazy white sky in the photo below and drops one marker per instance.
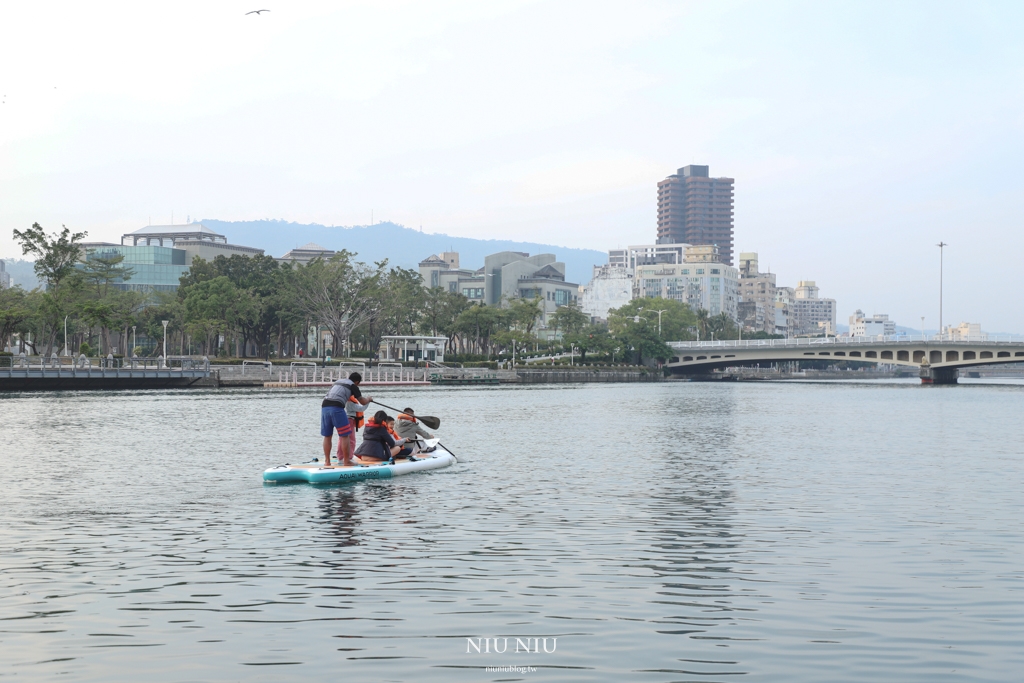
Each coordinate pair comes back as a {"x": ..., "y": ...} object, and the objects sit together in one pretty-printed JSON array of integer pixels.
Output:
[{"x": 859, "y": 133}]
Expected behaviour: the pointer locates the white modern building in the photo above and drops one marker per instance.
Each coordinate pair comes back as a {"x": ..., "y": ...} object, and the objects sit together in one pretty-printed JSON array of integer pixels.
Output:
[
  {"x": 864, "y": 326},
  {"x": 611, "y": 288},
  {"x": 700, "y": 281},
  {"x": 5, "y": 277}
]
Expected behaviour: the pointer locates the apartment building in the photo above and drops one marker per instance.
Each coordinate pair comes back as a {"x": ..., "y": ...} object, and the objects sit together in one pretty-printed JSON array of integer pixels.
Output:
[{"x": 695, "y": 209}]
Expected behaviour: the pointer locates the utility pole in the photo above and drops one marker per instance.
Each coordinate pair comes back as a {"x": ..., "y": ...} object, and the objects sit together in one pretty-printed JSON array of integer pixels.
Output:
[{"x": 940, "y": 245}]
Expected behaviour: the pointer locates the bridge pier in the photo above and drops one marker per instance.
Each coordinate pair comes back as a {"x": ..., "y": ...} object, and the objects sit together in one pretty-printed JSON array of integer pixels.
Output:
[{"x": 930, "y": 375}]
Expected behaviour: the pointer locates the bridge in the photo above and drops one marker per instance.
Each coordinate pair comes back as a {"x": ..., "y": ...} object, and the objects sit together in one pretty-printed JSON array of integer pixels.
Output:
[{"x": 937, "y": 360}]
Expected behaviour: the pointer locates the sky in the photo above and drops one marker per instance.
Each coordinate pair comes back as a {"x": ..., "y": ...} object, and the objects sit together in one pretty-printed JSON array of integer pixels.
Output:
[{"x": 860, "y": 134}]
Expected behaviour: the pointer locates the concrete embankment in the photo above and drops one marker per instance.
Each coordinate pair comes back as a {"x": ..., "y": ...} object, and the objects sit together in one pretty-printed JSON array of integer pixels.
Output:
[
  {"x": 585, "y": 375},
  {"x": 225, "y": 376}
]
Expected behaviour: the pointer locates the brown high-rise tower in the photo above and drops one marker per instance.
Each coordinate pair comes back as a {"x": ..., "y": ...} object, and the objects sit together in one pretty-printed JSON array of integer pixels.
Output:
[{"x": 695, "y": 209}]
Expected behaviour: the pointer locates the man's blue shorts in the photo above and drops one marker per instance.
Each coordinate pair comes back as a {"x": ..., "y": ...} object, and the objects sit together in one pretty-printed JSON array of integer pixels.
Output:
[{"x": 331, "y": 418}]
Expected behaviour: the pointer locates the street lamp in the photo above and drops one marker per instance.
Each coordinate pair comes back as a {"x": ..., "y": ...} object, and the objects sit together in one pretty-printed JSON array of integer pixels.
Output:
[
  {"x": 164, "y": 322},
  {"x": 66, "y": 335},
  {"x": 134, "y": 340},
  {"x": 940, "y": 245},
  {"x": 922, "y": 328}
]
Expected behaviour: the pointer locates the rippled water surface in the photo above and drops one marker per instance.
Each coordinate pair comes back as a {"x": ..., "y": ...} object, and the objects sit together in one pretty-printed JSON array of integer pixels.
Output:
[{"x": 667, "y": 532}]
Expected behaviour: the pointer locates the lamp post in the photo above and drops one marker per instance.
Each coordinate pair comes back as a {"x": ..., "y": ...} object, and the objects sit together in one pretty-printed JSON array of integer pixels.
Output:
[
  {"x": 659, "y": 319},
  {"x": 940, "y": 245},
  {"x": 133, "y": 340},
  {"x": 922, "y": 329},
  {"x": 66, "y": 335},
  {"x": 164, "y": 322}
]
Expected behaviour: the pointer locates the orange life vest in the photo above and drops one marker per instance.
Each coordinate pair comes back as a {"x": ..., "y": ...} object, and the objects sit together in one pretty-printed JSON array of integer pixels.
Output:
[{"x": 359, "y": 415}]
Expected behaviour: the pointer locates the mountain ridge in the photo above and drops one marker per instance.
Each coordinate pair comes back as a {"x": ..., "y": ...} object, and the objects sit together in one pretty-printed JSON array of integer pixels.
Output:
[{"x": 402, "y": 246}]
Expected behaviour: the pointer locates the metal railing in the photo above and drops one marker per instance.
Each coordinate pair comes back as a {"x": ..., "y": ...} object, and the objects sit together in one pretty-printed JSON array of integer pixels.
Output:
[
  {"x": 80, "y": 362},
  {"x": 842, "y": 341}
]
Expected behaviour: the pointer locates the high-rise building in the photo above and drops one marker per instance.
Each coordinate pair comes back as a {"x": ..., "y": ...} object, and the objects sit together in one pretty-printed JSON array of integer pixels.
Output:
[
  {"x": 696, "y": 209},
  {"x": 5, "y": 277}
]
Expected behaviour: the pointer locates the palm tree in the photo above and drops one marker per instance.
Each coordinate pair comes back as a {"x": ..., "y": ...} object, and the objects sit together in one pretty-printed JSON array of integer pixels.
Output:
[{"x": 703, "y": 320}]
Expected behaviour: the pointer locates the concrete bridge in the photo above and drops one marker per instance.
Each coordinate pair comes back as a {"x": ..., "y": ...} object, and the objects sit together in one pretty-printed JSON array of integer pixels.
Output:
[{"x": 938, "y": 360}]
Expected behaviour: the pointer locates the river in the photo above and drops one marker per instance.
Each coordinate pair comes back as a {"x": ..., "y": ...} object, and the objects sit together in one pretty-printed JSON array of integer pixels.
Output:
[{"x": 662, "y": 532}]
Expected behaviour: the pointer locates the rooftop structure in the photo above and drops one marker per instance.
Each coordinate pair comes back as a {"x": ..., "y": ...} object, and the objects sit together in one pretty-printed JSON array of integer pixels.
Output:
[
  {"x": 167, "y": 235},
  {"x": 646, "y": 255},
  {"x": 307, "y": 253}
]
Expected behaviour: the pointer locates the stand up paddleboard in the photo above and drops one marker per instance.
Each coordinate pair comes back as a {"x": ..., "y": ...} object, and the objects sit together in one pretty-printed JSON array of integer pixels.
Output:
[{"x": 316, "y": 473}]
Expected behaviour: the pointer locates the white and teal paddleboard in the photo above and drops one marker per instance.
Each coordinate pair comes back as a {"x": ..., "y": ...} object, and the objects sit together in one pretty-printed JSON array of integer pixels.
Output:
[{"x": 315, "y": 473}]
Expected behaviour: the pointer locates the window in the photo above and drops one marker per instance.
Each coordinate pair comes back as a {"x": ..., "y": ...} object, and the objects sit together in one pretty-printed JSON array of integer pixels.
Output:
[{"x": 715, "y": 271}]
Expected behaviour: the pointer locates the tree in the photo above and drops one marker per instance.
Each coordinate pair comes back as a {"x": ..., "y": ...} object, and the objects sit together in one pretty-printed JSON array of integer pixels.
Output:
[
  {"x": 56, "y": 255},
  {"x": 569, "y": 319},
  {"x": 703, "y": 318},
  {"x": 523, "y": 315},
  {"x": 16, "y": 308},
  {"x": 637, "y": 332},
  {"x": 55, "y": 258},
  {"x": 100, "y": 271},
  {"x": 339, "y": 293}
]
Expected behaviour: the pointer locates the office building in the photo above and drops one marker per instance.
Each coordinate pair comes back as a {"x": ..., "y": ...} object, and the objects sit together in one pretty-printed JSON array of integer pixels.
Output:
[
  {"x": 810, "y": 314},
  {"x": 864, "y": 326},
  {"x": 756, "y": 296},
  {"x": 195, "y": 239},
  {"x": 701, "y": 281},
  {"x": 442, "y": 270},
  {"x": 505, "y": 275},
  {"x": 159, "y": 255},
  {"x": 5, "y": 277},
  {"x": 694, "y": 208}
]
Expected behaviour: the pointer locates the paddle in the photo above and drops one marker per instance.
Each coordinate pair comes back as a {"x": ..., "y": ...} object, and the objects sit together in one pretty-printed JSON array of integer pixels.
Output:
[{"x": 430, "y": 421}]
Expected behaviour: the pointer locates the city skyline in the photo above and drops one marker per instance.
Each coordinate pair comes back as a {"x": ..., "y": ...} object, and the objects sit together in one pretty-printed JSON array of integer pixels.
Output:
[{"x": 856, "y": 144}]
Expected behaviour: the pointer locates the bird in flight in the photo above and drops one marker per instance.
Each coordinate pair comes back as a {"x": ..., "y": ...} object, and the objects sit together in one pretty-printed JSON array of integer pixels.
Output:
[{"x": 256, "y": 11}]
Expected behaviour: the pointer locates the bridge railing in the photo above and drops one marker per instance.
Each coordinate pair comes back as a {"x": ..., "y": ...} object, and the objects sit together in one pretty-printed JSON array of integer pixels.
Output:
[{"x": 843, "y": 341}]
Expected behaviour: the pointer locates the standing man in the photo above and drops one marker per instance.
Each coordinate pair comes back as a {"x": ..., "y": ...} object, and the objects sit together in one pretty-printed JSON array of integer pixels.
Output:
[{"x": 334, "y": 417}]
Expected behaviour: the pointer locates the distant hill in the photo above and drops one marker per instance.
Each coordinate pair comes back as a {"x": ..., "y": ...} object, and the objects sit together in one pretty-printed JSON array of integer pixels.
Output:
[{"x": 400, "y": 245}]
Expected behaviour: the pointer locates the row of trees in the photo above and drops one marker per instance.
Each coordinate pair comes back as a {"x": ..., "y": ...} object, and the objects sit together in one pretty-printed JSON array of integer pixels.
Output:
[{"x": 257, "y": 306}]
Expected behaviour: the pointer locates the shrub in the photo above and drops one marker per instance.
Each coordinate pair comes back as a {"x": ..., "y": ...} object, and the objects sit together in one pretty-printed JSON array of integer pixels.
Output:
[{"x": 85, "y": 349}]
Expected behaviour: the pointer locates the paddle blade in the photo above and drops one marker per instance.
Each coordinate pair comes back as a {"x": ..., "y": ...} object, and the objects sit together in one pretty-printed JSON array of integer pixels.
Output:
[{"x": 431, "y": 422}]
